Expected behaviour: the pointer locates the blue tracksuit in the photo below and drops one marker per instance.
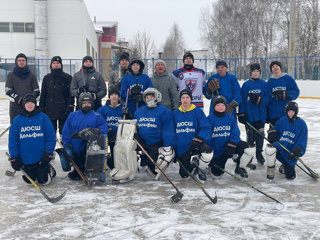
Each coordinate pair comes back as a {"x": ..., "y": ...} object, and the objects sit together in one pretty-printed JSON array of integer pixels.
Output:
[
  {"x": 77, "y": 121},
  {"x": 224, "y": 129},
  {"x": 30, "y": 137},
  {"x": 229, "y": 88},
  {"x": 255, "y": 112},
  {"x": 285, "y": 82},
  {"x": 189, "y": 125},
  {"x": 291, "y": 135},
  {"x": 156, "y": 124},
  {"x": 128, "y": 82}
]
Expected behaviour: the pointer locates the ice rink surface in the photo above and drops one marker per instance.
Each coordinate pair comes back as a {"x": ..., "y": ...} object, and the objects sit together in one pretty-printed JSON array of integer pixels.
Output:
[{"x": 142, "y": 209}]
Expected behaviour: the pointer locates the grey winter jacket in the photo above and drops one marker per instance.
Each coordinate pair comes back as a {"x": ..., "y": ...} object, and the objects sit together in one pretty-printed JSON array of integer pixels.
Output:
[
  {"x": 90, "y": 78},
  {"x": 166, "y": 85}
]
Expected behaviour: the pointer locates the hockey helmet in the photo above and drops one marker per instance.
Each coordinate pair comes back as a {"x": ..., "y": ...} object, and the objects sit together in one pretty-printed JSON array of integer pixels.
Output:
[{"x": 157, "y": 96}]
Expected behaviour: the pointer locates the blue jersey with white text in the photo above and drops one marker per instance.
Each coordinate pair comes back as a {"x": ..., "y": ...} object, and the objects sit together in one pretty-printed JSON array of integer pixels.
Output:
[
  {"x": 291, "y": 135},
  {"x": 111, "y": 115},
  {"x": 77, "y": 121},
  {"x": 156, "y": 124},
  {"x": 30, "y": 137},
  {"x": 229, "y": 88},
  {"x": 285, "y": 82},
  {"x": 189, "y": 125},
  {"x": 224, "y": 129},
  {"x": 255, "y": 112}
]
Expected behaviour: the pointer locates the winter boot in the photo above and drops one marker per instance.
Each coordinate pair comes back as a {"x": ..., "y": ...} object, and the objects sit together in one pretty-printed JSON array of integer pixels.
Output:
[
  {"x": 241, "y": 172},
  {"x": 281, "y": 169},
  {"x": 74, "y": 175},
  {"x": 200, "y": 176},
  {"x": 270, "y": 173}
]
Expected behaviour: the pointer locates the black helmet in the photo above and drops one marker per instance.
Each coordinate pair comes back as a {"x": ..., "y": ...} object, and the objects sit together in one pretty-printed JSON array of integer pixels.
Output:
[
  {"x": 294, "y": 107},
  {"x": 86, "y": 97}
]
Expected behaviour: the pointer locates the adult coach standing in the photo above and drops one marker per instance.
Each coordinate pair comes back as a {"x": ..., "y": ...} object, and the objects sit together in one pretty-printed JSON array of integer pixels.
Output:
[{"x": 20, "y": 82}]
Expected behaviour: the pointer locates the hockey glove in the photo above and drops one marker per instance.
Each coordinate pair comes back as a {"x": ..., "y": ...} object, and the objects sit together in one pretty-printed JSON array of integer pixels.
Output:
[
  {"x": 230, "y": 149},
  {"x": 83, "y": 89},
  {"x": 136, "y": 94},
  {"x": 273, "y": 135},
  {"x": 44, "y": 163},
  {"x": 231, "y": 106},
  {"x": 243, "y": 118},
  {"x": 166, "y": 155},
  {"x": 126, "y": 113},
  {"x": 195, "y": 146},
  {"x": 213, "y": 85},
  {"x": 280, "y": 94},
  {"x": 87, "y": 134},
  {"x": 16, "y": 163},
  {"x": 295, "y": 154},
  {"x": 254, "y": 98}
]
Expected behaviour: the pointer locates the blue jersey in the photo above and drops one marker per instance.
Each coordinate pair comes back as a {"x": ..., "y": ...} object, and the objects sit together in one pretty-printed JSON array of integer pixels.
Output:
[
  {"x": 255, "y": 112},
  {"x": 156, "y": 124},
  {"x": 77, "y": 121},
  {"x": 291, "y": 135},
  {"x": 128, "y": 82},
  {"x": 229, "y": 88},
  {"x": 189, "y": 125},
  {"x": 111, "y": 115},
  {"x": 224, "y": 129},
  {"x": 285, "y": 82},
  {"x": 30, "y": 137}
]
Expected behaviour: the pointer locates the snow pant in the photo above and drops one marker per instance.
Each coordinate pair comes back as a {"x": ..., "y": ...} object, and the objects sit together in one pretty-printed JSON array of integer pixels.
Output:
[
  {"x": 58, "y": 122},
  {"x": 110, "y": 161},
  {"x": 185, "y": 160},
  {"x": 254, "y": 138},
  {"x": 223, "y": 158},
  {"x": 13, "y": 112}
]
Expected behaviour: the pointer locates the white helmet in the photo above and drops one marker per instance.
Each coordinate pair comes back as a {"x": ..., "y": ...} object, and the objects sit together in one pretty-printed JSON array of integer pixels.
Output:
[{"x": 157, "y": 96}]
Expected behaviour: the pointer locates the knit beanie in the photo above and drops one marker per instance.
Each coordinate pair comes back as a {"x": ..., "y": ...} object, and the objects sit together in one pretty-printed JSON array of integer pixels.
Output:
[
  {"x": 29, "y": 98},
  {"x": 255, "y": 66},
  {"x": 19, "y": 56},
  {"x": 56, "y": 59},
  {"x": 275, "y": 62},
  {"x": 159, "y": 61},
  {"x": 218, "y": 99},
  {"x": 188, "y": 54},
  {"x": 186, "y": 91},
  {"x": 87, "y": 58},
  {"x": 221, "y": 62},
  {"x": 125, "y": 56},
  {"x": 114, "y": 90}
]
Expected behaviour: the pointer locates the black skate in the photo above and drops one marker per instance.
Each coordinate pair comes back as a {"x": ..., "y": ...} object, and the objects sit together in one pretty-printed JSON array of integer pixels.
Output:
[{"x": 241, "y": 172}]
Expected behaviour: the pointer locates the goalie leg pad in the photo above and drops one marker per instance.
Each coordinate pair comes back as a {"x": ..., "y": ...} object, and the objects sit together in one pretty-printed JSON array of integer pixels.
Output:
[
  {"x": 270, "y": 155},
  {"x": 125, "y": 156},
  {"x": 246, "y": 157},
  {"x": 204, "y": 160}
]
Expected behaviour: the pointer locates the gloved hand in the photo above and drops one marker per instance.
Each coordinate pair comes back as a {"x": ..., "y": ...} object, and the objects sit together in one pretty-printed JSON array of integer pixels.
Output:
[
  {"x": 295, "y": 154},
  {"x": 44, "y": 162},
  {"x": 231, "y": 106},
  {"x": 213, "y": 86},
  {"x": 135, "y": 93},
  {"x": 166, "y": 155},
  {"x": 254, "y": 98},
  {"x": 83, "y": 89},
  {"x": 280, "y": 94},
  {"x": 273, "y": 135},
  {"x": 16, "y": 97},
  {"x": 243, "y": 118},
  {"x": 16, "y": 163},
  {"x": 126, "y": 112},
  {"x": 195, "y": 145},
  {"x": 230, "y": 149}
]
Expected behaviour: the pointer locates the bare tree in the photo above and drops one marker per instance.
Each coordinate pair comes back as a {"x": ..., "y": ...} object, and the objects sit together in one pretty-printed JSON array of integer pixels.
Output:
[{"x": 142, "y": 46}]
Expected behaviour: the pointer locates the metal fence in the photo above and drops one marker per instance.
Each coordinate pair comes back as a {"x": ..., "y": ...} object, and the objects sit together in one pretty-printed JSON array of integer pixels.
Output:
[{"x": 305, "y": 67}]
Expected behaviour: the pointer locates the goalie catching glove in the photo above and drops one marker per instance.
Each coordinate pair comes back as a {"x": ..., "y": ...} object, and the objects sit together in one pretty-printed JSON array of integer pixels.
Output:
[{"x": 166, "y": 155}]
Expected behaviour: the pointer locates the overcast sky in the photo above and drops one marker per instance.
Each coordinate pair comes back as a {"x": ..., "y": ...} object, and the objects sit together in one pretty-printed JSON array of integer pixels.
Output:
[{"x": 154, "y": 16}]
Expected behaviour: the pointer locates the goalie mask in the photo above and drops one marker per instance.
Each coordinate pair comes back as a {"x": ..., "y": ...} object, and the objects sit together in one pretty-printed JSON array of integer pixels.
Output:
[
  {"x": 86, "y": 97},
  {"x": 155, "y": 93}
]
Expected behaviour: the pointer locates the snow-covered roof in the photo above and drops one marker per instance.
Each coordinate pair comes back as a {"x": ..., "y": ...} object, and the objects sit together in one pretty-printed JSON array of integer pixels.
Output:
[{"x": 98, "y": 26}]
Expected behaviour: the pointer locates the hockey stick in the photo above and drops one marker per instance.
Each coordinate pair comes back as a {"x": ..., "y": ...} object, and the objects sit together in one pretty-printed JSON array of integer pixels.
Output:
[
  {"x": 52, "y": 200},
  {"x": 311, "y": 173},
  {"x": 6, "y": 130},
  {"x": 240, "y": 180},
  {"x": 176, "y": 197},
  {"x": 75, "y": 166},
  {"x": 10, "y": 173},
  {"x": 213, "y": 200}
]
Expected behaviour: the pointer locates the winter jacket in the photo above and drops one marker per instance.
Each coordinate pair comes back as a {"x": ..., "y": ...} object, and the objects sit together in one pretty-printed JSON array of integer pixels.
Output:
[
  {"x": 255, "y": 112},
  {"x": 55, "y": 97},
  {"x": 167, "y": 87},
  {"x": 229, "y": 88},
  {"x": 128, "y": 82},
  {"x": 78, "y": 121},
  {"x": 21, "y": 86},
  {"x": 111, "y": 115},
  {"x": 115, "y": 79},
  {"x": 224, "y": 129},
  {"x": 30, "y": 137},
  {"x": 156, "y": 124},
  {"x": 189, "y": 125},
  {"x": 285, "y": 82},
  {"x": 291, "y": 135},
  {"x": 193, "y": 80}
]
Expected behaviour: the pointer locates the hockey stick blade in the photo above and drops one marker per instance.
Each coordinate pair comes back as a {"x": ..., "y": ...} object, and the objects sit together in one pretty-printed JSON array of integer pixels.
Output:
[
  {"x": 177, "y": 197},
  {"x": 213, "y": 200},
  {"x": 9, "y": 173}
]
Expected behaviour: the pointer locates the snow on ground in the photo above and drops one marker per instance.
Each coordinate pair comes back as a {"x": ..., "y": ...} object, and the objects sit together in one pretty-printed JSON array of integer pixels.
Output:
[{"x": 142, "y": 209}]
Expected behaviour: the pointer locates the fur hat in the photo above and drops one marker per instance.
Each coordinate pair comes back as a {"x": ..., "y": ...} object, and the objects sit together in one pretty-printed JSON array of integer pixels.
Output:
[
  {"x": 186, "y": 91},
  {"x": 275, "y": 62},
  {"x": 188, "y": 54},
  {"x": 221, "y": 62}
]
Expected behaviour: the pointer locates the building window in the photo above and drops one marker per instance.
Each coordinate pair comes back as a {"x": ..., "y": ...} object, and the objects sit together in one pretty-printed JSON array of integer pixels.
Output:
[
  {"x": 29, "y": 27},
  {"x": 4, "y": 27},
  {"x": 17, "y": 27}
]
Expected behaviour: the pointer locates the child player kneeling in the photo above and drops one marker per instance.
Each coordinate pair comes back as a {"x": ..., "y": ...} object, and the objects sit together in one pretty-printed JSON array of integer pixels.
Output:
[
  {"x": 225, "y": 140},
  {"x": 290, "y": 132}
]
